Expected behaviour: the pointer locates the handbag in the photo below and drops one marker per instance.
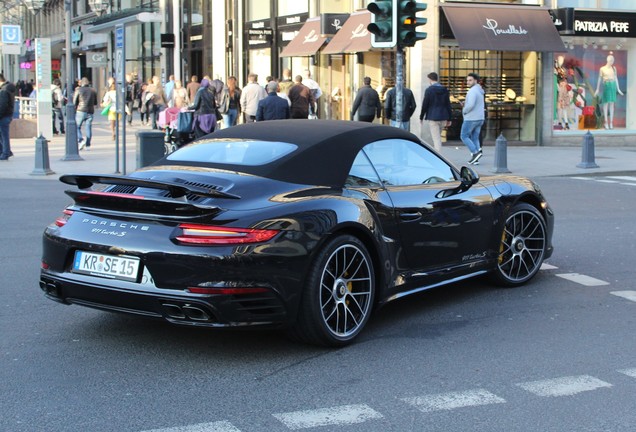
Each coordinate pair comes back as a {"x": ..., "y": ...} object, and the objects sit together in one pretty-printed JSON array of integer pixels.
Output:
[
  {"x": 588, "y": 110},
  {"x": 184, "y": 122},
  {"x": 105, "y": 110}
]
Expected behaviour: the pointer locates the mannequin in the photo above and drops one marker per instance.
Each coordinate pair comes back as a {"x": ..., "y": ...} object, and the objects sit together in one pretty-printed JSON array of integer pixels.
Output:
[
  {"x": 563, "y": 103},
  {"x": 559, "y": 74},
  {"x": 607, "y": 74}
]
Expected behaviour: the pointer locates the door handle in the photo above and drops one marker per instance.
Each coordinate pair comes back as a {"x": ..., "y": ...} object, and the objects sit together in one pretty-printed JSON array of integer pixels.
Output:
[{"x": 409, "y": 217}]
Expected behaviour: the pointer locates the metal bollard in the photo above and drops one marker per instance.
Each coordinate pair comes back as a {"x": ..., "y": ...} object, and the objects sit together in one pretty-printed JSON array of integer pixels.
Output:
[
  {"x": 587, "y": 153},
  {"x": 501, "y": 155},
  {"x": 42, "y": 166}
]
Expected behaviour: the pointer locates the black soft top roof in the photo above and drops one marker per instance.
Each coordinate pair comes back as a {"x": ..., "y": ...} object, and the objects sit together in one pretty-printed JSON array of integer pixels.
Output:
[{"x": 326, "y": 148}]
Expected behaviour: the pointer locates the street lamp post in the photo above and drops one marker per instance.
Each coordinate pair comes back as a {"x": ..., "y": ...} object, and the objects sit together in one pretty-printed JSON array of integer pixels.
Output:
[{"x": 71, "y": 151}]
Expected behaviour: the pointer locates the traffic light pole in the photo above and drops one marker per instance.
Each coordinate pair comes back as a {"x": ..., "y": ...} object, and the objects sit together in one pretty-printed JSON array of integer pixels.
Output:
[
  {"x": 399, "y": 87},
  {"x": 71, "y": 149}
]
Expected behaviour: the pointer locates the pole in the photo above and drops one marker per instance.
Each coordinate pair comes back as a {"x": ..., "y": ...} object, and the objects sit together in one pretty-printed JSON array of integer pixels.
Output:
[
  {"x": 71, "y": 151},
  {"x": 122, "y": 105},
  {"x": 399, "y": 87}
]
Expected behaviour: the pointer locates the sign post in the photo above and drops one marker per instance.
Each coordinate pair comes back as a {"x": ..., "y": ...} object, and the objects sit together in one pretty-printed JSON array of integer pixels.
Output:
[
  {"x": 120, "y": 100},
  {"x": 44, "y": 97}
]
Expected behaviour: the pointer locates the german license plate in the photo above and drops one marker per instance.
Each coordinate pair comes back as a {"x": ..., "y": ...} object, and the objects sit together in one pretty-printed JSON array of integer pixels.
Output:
[{"x": 108, "y": 266}]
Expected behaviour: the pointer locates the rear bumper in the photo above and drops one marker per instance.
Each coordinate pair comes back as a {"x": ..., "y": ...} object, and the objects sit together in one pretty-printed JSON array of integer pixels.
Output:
[{"x": 175, "y": 306}]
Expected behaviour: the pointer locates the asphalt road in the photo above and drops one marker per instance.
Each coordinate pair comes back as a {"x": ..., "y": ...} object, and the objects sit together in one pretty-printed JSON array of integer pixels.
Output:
[{"x": 555, "y": 355}]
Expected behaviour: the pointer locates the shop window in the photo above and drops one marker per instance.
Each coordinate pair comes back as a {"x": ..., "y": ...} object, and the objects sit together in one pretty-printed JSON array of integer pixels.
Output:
[
  {"x": 589, "y": 88},
  {"x": 258, "y": 9},
  {"x": 292, "y": 7}
]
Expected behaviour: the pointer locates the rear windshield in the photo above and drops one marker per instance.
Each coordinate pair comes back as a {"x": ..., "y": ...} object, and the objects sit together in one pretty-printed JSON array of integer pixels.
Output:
[{"x": 232, "y": 152}]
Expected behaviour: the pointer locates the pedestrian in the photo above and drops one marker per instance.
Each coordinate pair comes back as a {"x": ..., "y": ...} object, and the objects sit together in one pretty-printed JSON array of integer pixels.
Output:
[
  {"x": 408, "y": 107},
  {"x": 85, "y": 99},
  {"x": 132, "y": 91},
  {"x": 204, "y": 110},
  {"x": 110, "y": 101},
  {"x": 473, "y": 112},
  {"x": 168, "y": 88},
  {"x": 193, "y": 87},
  {"x": 301, "y": 99},
  {"x": 7, "y": 100},
  {"x": 144, "y": 115},
  {"x": 250, "y": 96},
  {"x": 367, "y": 103},
  {"x": 315, "y": 91},
  {"x": 436, "y": 108},
  {"x": 273, "y": 107},
  {"x": 159, "y": 101},
  {"x": 286, "y": 82},
  {"x": 234, "y": 103},
  {"x": 179, "y": 95},
  {"x": 57, "y": 105}
]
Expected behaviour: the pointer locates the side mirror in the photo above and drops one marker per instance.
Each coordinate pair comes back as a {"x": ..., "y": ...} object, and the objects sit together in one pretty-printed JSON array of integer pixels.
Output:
[{"x": 468, "y": 176}]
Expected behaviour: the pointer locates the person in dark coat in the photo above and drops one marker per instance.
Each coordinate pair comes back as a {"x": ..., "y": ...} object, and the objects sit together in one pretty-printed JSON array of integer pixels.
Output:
[
  {"x": 300, "y": 97},
  {"x": 7, "y": 100},
  {"x": 436, "y": 108},
  {"x": 273, "y": 107},
  {"x": 408, "y": 107},
  {"x": 85, "y": 99},
  {"x": 367, "y": 103},
  {"x": 204, "y": 110}
]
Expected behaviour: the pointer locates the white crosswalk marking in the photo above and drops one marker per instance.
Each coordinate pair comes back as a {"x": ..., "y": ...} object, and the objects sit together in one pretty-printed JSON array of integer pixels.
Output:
[
  {"x": 565, "y": 386},
  {"x": 335, "y": 416},
  {"x": 453, "y": 400},
  {"x": 629, "y": 372},
  {"x": 629, "y": 295},
  {"x": 546, "y": 266},
  {"x": 220, "y": 426},
  {"x": 583, "y": 178},
  {"x": 582, "y": 279},
  {"x": 623, "y": 178}
]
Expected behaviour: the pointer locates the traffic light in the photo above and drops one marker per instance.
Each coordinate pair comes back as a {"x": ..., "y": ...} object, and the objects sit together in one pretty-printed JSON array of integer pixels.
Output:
[
  {"x": 383, "y": 26},
  {"x": 407, "y": 23}
]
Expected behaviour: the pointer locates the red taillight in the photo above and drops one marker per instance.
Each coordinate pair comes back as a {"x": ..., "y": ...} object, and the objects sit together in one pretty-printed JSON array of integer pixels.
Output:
[
  {"x": 66, "y": 215},
  {"x": 206, "y": 235},
  {"x": 226, "y": 291},
  {"x": 45, "y": 266}
]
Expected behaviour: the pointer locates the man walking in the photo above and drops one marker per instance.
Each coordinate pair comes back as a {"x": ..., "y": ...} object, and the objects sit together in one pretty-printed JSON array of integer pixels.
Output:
[
  {"x": 7, "y": 99},
  {"x": 193, "y": 87},
  {"x": 250, "y": 96},
  {"x": 286, "y": 83},
  {"x": 132, "y": 90},
  {"x": 316, "y": 92},
  {"x": 301, "y": 99},
  {"x": 436, "y": 108},
  {"x": 473, "y": 113},
  {"x": 273, "y": 107},
  {"x": 367, "y": 103},
  {"x": 85, "y": 99},
  {"x": 408, "y": 107},
  {"x": 58, "y": 103}
]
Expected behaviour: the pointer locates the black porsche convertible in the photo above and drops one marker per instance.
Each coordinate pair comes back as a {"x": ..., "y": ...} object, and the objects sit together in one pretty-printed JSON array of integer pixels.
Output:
[{"x": 301, "y": 224}]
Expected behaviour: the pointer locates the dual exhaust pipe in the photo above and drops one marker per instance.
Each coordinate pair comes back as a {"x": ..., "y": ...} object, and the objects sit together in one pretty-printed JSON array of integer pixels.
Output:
[{"x": 186, "y": 312}]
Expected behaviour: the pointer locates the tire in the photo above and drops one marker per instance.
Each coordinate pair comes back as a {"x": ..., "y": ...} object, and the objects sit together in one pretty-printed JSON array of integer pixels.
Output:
[
  {"x": 338, "y": 296},
  {"x": 522, "y": 247}
]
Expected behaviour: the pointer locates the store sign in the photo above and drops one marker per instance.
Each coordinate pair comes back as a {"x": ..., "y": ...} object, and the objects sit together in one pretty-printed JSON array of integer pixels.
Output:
[
  {"x": 493, "y": 25},
  {"x": 330, "y": 23},
  {"x": 610, "y": 24},
  {"x": 96, "y": 59},
  {"x": 289, "y": 26},
  {"x": 259, "y": 34}
]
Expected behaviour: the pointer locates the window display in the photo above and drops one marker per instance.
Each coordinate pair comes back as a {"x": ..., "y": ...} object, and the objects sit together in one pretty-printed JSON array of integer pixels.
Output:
[{"x": 587, "y": 89}]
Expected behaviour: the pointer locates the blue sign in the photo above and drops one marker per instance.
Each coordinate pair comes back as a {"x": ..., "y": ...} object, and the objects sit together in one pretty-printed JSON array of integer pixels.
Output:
[
  {"x": 11, "y": 34},
  {"x": 119, "y": 37}
]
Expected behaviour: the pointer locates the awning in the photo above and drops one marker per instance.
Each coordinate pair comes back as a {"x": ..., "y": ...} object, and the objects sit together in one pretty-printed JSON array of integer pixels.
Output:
[
  {"x": 353, "y": 36},
  {"x": 307, "y": 42},
  {"x": 503, "y": 28}
]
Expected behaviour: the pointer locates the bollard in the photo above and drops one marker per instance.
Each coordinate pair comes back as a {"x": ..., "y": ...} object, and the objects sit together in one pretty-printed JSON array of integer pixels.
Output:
[
  {"x": 587, "y": 153},
  {"x": 42, "y": 166},
  {"x": 501, "y": 155}
]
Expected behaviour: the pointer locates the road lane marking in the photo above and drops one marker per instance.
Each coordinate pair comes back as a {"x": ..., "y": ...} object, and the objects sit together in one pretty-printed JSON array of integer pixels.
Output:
[
  {"x": 453, "y": 400},
  {"x": 220, "y": 426},
  {"x": 628, "y": 184},
  {"x": 565, "y": 386},
  {"x": 624, "y": 178},
  {"x": 546, "y": 266},
  {"x": 582, "y": 279},
  {"x": 629, "y": 372},
  {"x": 583, "y": 178},
  {"x": 335, "y": 416},
  {"x": 629, "y": 295},
  {"x": 606, "y": 181}
]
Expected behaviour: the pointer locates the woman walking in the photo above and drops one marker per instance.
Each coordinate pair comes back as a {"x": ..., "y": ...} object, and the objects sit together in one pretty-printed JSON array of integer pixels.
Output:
[
  {"x": 234, "y": 106},
  {"x": 180, "y": 95},
  {"x": 204, "y": 110},
  {"x": 109, "y": 101}
]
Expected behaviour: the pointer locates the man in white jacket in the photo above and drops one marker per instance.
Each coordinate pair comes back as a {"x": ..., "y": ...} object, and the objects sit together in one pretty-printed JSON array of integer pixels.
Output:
[
  {"x": 473, "y": 112},
  {"x": 250, "y": 96}
]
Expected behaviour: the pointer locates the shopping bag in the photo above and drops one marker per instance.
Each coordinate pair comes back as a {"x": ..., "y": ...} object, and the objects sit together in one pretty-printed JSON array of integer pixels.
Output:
[
  {"x": 105, "y": 110},
  {"x": 184, "y": 122}
]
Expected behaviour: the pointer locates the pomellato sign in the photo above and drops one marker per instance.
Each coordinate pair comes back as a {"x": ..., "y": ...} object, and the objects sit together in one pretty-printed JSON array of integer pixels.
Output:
[{"x": 512, "y": 29}]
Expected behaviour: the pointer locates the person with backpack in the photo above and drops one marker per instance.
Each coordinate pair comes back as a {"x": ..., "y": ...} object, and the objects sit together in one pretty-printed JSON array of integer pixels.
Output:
[
  {"x": 57, "y": 105},
  {"x": 7, "y": 99}
]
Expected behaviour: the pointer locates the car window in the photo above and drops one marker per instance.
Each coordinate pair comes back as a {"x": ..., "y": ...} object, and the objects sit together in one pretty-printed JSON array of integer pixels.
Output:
[
  {"x": 233, "y": 152},
  {"x": 401, "y": 162},
  {"x": 362, "y": 173}
]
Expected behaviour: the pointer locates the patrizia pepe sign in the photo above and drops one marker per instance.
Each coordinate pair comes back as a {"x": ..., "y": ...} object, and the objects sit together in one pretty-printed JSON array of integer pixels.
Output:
[{"x": 512, "y": 29}]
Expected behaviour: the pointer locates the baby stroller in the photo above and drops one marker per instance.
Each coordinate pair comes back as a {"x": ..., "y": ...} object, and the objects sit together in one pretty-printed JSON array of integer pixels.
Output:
[{"x": 177, "y": 125}]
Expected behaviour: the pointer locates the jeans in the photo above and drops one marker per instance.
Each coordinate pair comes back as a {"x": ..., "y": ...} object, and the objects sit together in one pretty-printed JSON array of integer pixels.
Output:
[
  {"x": 470, "y": 134},
  {"x": 406, "y": 125},
  {"x": 57, "y": 114},
  {"x": 230, "y": 117},
  {"x": 5, "y": 145},
  {"x": 80, "y": 118},
  {"x": 156, "y": 109}
]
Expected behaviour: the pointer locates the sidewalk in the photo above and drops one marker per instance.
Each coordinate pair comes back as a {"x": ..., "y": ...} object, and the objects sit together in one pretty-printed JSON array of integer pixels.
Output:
[{"x": 524, "y": 161}]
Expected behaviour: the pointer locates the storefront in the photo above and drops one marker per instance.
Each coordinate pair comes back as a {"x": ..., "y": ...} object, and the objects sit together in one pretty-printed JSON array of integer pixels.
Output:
[
  {"x": 504, "y": 45},
  {"x": 590, "y": 79}
]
